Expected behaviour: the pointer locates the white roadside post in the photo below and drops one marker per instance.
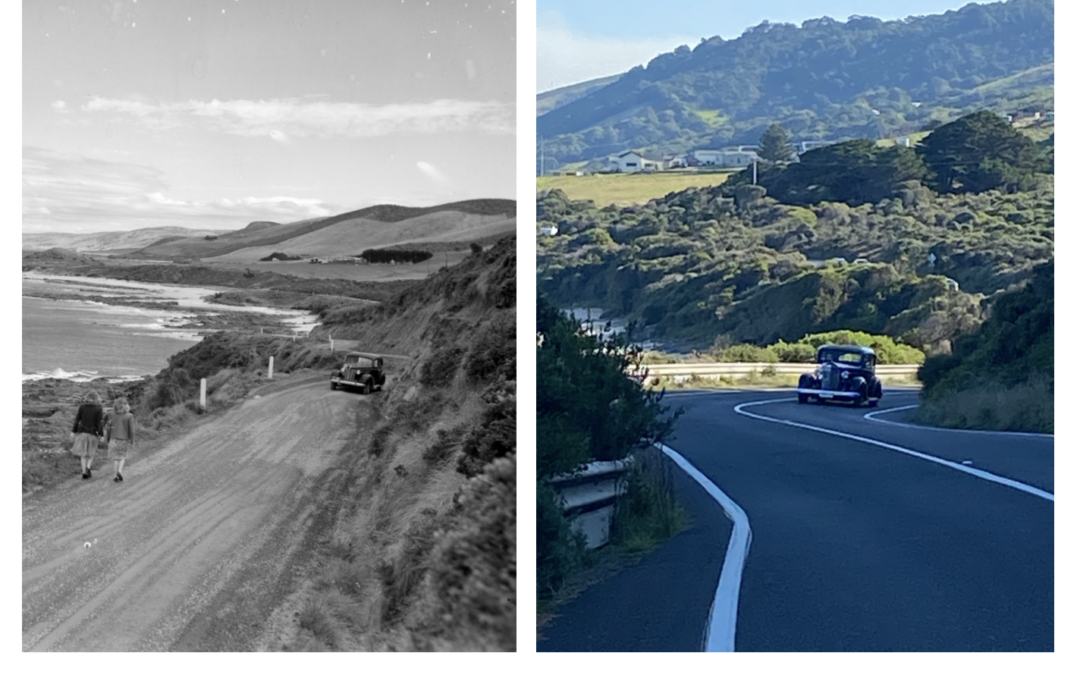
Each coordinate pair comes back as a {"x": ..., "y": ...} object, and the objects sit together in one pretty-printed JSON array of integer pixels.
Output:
[
  {"x": 331, "y": 342},
  {"x": 202, "y": 393},
  {"x": 270, "y": 370}
]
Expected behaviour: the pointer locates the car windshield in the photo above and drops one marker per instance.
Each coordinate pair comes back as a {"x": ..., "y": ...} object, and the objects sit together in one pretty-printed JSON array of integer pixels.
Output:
[
  {"x": 849, "y": 358},
  {"x": 358, "y": 361}
]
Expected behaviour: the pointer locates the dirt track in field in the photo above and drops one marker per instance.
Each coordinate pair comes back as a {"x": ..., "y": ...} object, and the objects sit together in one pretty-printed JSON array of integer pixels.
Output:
[{"x": 202, "y": 540}]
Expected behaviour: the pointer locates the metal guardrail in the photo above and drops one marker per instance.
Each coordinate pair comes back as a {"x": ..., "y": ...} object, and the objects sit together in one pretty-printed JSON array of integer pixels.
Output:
[
  {"x": 678, "y": 370},
  {"x": 588, "y": 498}
]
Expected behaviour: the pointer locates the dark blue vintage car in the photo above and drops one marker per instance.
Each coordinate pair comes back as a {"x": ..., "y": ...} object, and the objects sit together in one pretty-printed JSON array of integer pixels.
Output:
[{"x": 844, "y": 373}]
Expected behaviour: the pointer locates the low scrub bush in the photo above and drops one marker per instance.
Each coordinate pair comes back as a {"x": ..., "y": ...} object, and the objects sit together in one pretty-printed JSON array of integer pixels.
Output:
[
  {"x": 494, "y": 354},
  {"x": 441, "y": 367}
]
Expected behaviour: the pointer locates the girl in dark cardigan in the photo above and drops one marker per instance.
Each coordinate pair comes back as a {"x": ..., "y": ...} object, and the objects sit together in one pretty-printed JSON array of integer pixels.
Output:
[{"x": 89, "y": 422}]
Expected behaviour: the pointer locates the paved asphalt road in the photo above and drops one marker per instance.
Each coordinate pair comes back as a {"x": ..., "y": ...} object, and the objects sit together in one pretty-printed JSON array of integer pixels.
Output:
[{"x": 855, "y": 547}]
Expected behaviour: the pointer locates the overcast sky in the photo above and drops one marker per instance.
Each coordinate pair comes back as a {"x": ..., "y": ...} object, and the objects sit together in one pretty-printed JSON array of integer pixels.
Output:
[
  {"x": 578, "y": 40},
  {"x": 213, "y": 114}
]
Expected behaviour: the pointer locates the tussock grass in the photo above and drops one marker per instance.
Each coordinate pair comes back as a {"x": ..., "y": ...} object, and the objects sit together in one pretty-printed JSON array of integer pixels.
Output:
[
  {"x": 649, "y": 513},
  {"x": 1028, "y": 406}
]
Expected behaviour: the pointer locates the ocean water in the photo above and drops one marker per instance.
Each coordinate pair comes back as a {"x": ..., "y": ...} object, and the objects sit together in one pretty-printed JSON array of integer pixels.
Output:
[{"x": 79, "y": 339}]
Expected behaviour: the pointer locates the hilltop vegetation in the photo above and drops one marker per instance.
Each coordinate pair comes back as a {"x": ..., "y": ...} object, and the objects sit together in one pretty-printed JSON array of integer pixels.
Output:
[
  {"x": 825, "y": 79},
  {"x": 732, "y": 264}
]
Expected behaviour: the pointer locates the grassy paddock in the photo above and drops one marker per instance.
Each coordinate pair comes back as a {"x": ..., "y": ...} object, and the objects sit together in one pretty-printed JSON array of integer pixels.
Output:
[
  {"x": 626, "y": 189},
  {"x": 1024, "y": 407}
]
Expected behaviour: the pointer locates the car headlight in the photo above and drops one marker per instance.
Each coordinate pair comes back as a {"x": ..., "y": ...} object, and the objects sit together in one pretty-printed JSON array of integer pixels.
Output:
[{"x": 844, "y": 375}]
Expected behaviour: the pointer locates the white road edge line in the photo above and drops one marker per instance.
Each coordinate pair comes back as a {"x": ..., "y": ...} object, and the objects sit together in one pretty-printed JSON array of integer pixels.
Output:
[
  {"x": 871, "y": 416},
  {"x": 720, "y": 630},
  {"x": 978, "y": 473}
]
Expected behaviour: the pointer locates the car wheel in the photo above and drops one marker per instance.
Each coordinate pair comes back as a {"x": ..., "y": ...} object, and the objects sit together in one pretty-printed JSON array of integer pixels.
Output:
[
  {"x": 872, "y": 403},
  {"x": 803, "y": 398},
  {"x": 333, "y": 385},
  {"x": 858, "y": 400},
  {"x": 365, "y": 388}
]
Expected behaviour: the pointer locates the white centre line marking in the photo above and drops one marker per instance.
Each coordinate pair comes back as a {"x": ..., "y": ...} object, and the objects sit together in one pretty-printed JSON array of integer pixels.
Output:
[
  {"x": 978, "y": 473},
  {"x": 720, "y": 630}
]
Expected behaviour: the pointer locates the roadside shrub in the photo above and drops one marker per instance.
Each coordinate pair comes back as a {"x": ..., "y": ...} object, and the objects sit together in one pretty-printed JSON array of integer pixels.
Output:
[
  {"x": 172, "y": 386},
  {"x": 494, "y": 354},
  {"x": 559, "y": 551},
  {"x": 648, "y": 513},
  {"x": 747, "y": 353},
  {"x": 495, "y": 437},
  {"x": 473, "y": 574},
  {"x": 442, "y": 366}
]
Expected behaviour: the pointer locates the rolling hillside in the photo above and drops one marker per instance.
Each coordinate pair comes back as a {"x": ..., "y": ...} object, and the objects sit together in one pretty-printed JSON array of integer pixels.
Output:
[
  {"x": 823, "y": 80},
  {"x": 350, "y": 237},
  {"x": 109, "y": 241},
  {"x": 556, "y": 98},
  {"x": 374, "y": 226}
]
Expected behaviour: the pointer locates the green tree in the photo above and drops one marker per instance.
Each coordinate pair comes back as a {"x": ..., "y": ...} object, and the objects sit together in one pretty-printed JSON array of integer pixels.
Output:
[
  {"x": 981, "y": 152},
  {"x": 774, "y": 145},
  {"x": 587, "y": 408}
]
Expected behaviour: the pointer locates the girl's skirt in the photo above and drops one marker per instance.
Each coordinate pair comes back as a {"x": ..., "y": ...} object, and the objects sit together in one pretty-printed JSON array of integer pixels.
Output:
[
  {"x": 118, "y": 449},
  {"x": 85, "y": 445}
]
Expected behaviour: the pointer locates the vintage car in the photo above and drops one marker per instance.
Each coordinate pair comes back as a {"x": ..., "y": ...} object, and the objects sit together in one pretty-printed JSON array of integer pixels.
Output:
[
  {"x": 844, "y": 373},
  {"x": 360, "y": 371}
]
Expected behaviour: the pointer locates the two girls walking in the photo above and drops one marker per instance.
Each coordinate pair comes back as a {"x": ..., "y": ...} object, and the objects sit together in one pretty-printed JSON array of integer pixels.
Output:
[{"x": 94, "y": 429}]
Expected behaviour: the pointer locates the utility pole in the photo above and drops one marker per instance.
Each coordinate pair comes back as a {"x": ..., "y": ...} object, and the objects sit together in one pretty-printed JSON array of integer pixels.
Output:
[{"x": 755, "y": 170}]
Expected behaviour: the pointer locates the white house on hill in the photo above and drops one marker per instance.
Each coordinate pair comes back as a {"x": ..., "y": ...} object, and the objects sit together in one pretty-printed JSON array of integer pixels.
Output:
[
  {"x": 631, "y": 161},
  {"x": 731, "y": 157}
]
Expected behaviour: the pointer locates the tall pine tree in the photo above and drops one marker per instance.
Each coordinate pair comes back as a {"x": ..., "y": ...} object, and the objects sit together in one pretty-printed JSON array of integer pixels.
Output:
[{"x": 775, "y": 146}]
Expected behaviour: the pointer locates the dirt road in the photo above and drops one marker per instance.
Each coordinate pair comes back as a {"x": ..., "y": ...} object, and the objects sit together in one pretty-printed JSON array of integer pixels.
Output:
[{"x": 202, "y": 540}]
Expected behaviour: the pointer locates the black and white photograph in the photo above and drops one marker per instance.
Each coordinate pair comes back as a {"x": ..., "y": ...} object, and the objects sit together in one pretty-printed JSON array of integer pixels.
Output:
[{"x": 268, "y": 325}]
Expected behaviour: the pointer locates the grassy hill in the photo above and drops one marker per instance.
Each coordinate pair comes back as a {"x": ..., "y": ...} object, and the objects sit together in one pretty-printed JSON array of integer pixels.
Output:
[
  {"x": 555, "y": 98},
  {"x": 392, "y": 217},
  {"x": 352, "y": 236},
  {"x": 109, "y": 241}
]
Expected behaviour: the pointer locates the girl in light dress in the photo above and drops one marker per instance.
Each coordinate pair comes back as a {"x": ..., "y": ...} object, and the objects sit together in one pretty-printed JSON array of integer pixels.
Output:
[{"x": 120, "y": 432}]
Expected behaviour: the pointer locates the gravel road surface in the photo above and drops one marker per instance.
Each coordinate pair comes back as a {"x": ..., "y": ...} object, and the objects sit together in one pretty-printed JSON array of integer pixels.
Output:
[{"x": 201, "y": 541}]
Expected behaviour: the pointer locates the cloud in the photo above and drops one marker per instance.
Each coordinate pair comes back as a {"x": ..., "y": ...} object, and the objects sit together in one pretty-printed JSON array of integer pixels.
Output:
[
  {"x": 432, "y": 172},
  {"x": 73, "y": 193},
  {"x": 565, "y": 57},
  {"x": 281, "y": 119},
  {"x": 59, "y": 106}
]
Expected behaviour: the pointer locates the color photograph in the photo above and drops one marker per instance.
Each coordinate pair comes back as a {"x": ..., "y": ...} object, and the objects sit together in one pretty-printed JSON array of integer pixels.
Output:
[{"x": 795, "y": 326}]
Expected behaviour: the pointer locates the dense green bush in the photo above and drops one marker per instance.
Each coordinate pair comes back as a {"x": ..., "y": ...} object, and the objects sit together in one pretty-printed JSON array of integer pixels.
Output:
[{"x": 1011, "y": 353}]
